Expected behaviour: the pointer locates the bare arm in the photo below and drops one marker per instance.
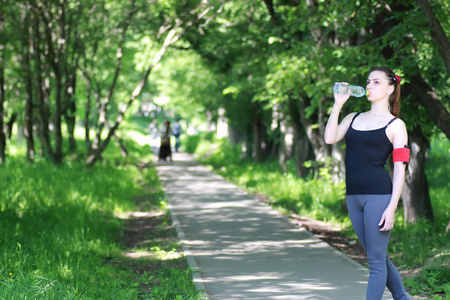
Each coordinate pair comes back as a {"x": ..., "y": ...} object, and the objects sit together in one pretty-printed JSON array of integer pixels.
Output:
[
  {"x": 335, "y": 132},
  {"x": 399, "y": 140}
]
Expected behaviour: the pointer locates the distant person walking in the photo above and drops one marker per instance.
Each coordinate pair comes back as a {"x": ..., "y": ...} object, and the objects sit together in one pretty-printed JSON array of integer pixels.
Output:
[
  {"x": 176, "y": 133},
  {"x": 165, "y": 149},
  {"x": 372, "y": 196}
]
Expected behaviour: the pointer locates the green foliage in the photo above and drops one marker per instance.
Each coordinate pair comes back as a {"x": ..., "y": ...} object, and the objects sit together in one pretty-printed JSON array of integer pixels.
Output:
[
  {"x": 431, "y": 281},
  {"x": 189, "y": 83},
  {"x": 217, "y": 152},
  {"x": 418, "y": 242},
  {"x": 319, "y": 198},
  {"x": 190, "y": 143}
]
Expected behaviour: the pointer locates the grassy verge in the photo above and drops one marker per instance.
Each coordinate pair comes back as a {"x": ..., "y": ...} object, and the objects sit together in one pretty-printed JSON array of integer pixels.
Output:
[
  {"x": 64, "y": 232},
  {"x": 152, "y": 249},
  {"x": 421, "y": 249},
  {"x": 58, "y": 227}
]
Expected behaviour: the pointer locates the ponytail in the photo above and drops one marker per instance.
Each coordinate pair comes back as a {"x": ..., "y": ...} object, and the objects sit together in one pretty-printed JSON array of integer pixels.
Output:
[{"x": 394, "y": 101}]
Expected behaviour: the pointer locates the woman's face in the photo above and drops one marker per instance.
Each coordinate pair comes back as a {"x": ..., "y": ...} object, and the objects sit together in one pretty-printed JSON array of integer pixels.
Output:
[{"x": 378, "y": 86}]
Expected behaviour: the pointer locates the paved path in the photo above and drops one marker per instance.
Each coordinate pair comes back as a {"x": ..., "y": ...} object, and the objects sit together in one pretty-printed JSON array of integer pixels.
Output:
[{"x": 243, "y": 249}]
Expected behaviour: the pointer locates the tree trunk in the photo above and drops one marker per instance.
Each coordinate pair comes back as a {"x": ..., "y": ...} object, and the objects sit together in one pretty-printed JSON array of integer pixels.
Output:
[
  {"x": 90, "y": 83},
  {"x": 103, "y": 107},
  {"x": 426, "y": 96},
  {"x": 87, "y": 113},
  {"x": 301, "y": 141},
  {"x": 54, "y": 57},
  {"x": 10, "y": 124},
  {"x": 235, "y": 135},
  {"x": 70, "y": 107},
  {"x": 171, "y": 38},
  {"x": 416, "y": 198},
  {"x": 258, "y": 155},
  {"x": 273, "y": 14},
  {"x": 337, "y": 168},
  {"x": 284, "y": 149},
  {"x": 249, "y": 142},
  {"x": 43, "y": 87},
  {"x": 315, "y": 137},
  {"x": 70, "y": 117},
  {"x": 28, "y": 122},
  {"x": 70, "y": 71},
  {"x": 303, "y": 151},
  {"x": 44, "y": 134},
  {"x": 58, "y": 153},
  {"x": 28, "y": 77},
  {"x": 437, "y": 32},
  {"x": 123, "y": 149},
  {"x": 2, "y": 99}
]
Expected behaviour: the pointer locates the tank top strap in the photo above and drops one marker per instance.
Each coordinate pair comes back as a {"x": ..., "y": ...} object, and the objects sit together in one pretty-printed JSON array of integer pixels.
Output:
[
  {"x": 392, "y": 120},
  {"x": 357, "y": 114}
]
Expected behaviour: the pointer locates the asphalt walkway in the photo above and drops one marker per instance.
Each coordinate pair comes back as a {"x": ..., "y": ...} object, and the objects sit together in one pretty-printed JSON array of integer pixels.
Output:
[{"x": 240, "y": 248}]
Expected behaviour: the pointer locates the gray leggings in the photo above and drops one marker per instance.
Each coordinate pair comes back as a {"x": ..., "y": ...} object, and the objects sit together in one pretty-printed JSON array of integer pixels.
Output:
[{"x": 365, "y": 213}]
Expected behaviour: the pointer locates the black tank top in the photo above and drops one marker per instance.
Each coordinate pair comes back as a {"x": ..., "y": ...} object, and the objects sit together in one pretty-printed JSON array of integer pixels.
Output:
[{"x": 365, "y": 158}]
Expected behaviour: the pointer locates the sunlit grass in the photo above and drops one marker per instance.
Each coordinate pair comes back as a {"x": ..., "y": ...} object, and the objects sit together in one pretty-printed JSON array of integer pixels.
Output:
[
  {"x": 61, "y": 232},
  {"x": 438, "y": 175},
  {"x": 58, "y": 227}
]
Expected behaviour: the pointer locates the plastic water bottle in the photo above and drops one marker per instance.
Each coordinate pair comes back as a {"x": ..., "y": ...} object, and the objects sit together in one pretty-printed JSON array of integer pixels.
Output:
[{"x": 356, "y": 91}]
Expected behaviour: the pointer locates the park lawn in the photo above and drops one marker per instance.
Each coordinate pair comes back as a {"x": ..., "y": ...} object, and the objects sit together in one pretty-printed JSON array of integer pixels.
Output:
[{"x": 64, "y": 231}]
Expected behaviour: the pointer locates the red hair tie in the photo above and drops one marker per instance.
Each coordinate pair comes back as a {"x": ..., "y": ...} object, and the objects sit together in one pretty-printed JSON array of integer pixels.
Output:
[{"x": 398, "y": 78}]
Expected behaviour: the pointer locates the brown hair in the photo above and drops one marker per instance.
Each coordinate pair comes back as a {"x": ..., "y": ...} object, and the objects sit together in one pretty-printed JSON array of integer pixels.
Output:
[{"x": 394, "y": 98}]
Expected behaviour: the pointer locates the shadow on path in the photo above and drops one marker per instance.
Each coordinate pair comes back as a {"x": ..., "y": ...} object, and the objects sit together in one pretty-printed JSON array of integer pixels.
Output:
[{"x": 243, "y": 249}]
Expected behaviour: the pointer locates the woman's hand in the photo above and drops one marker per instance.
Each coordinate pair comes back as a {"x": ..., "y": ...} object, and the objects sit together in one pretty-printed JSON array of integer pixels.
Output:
[
  {"x": 387, "y": 219},
  {"x": 340, "y": 99}
]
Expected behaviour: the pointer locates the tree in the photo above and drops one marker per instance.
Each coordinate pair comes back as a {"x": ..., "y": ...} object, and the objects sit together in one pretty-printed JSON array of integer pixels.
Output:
[
  {"x": 2, "y": 93},
  {"x": 437, "y": 32},
  {"x": 329, "y": 43},
  {"x": 173, "y": 26},
  {"x": 171, "y": 37},
  {"x": 25, "y": 46}
]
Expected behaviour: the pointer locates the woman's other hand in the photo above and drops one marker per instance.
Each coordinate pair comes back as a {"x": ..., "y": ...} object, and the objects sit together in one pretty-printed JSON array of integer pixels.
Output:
[{"x": 387, "y": 219}]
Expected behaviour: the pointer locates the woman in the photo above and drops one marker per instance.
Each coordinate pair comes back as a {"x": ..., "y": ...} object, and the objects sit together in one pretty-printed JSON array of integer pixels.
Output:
[
  {"x": 165, "y": 149},
  {"x": 372, "y": 197}
]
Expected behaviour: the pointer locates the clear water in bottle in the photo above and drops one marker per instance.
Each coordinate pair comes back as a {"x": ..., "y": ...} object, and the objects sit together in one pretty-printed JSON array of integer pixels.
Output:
[{"x": 355, "y": 90}]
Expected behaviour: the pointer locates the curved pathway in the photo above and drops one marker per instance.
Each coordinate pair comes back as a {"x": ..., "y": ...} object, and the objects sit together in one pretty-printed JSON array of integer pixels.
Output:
[{"x": 240, "y": 248}]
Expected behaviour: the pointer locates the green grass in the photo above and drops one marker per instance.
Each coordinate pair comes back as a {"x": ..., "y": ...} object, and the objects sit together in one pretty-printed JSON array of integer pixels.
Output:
[
  {"x": 421, "y": 246},
  {"x": 58, "y": 226},
  {"x": 163, "y": 268},
  {"x": 438, "y": 175},
  {"x": 61, "y": 229}
]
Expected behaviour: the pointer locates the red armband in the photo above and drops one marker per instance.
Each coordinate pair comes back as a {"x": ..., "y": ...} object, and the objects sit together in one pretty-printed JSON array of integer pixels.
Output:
[{"x": 401, "y": 154}]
